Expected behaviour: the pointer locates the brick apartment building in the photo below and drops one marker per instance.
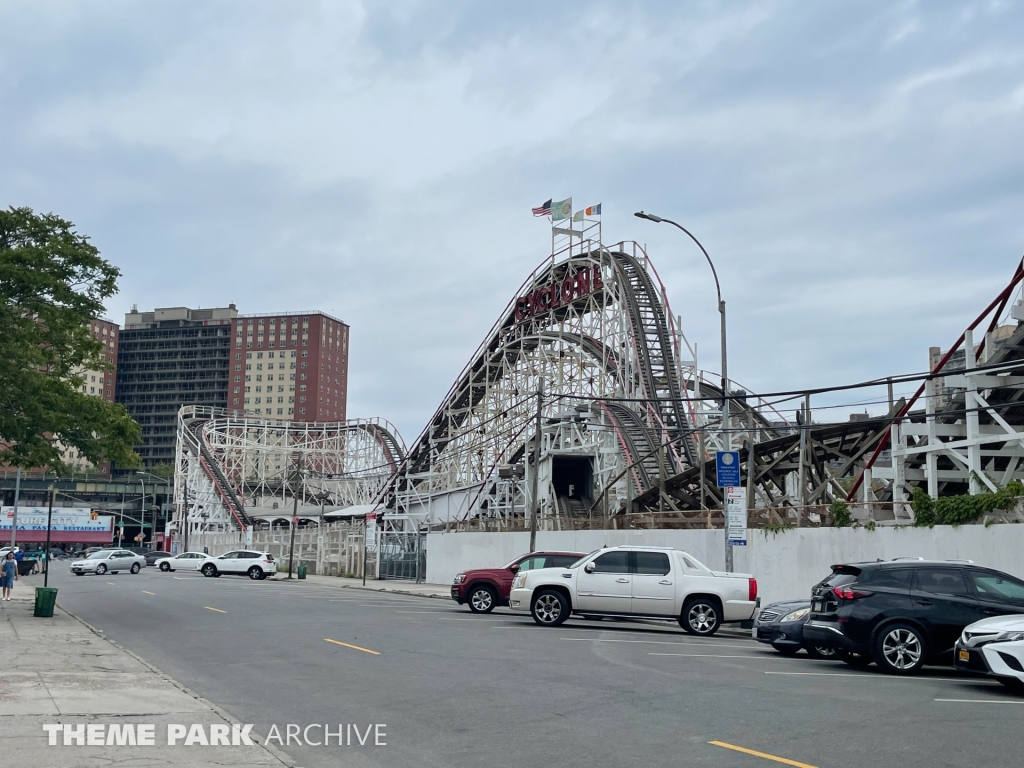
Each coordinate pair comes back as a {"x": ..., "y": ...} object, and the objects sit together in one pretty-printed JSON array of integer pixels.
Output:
[
  {"x": 291, "y": 366},
  {"x": 102, "y": 384}
]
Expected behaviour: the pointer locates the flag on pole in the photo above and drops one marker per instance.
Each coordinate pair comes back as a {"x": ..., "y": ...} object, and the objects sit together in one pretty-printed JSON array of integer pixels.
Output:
[
  {"x": 594, "y": 210},
  {"x": 578, "y": 216},
  {"x": 561, "y": 210},
  {"x": 543, "y": 209}
]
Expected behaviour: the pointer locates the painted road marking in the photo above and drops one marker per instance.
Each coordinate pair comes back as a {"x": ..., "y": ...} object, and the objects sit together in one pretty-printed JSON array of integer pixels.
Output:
[
  {"x": 218, "y": 610},
  {"x": 869, "y": 676},
  {"x": 764, "y": 755},
  {"x": 666, "y": 642},
  {"x": 148, "y": 593},
  {"x": 981, "y": 701},
  {"x": 348, "y": 645},
  {"x": 111, "y": 583},
  {"x": 707, "y": 655}
]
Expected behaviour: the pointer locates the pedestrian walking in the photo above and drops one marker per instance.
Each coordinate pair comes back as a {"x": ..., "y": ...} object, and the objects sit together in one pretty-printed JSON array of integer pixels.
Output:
[{"x": 8, "y": 575}]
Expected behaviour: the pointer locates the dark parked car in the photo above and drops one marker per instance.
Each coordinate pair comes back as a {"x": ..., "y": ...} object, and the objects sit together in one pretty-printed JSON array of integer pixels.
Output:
[
  {"x": 781, "y": 625},
  {"x": 484, "y": 589},
  {"x": 902, "y": 614},
  {"x": 153, "y": 555}
]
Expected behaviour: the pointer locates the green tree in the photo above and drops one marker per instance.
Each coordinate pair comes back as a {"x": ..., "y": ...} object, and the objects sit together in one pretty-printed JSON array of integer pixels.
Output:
[
  {"x": 52, "y": 284},
  {"x": 164, "y": 470}
]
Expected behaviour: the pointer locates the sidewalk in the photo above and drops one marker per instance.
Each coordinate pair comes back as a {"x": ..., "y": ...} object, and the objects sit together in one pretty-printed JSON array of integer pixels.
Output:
[
  {"x": 60, "y": 671},
  {"x": 396, "y": 586}
]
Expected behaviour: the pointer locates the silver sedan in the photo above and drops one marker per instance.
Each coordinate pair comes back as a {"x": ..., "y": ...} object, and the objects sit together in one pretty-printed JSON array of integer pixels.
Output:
[{"x": 109, "y": 561}]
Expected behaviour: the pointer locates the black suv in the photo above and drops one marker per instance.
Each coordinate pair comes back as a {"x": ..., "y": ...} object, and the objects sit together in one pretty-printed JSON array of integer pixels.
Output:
[{"x": 901, "y": 614}]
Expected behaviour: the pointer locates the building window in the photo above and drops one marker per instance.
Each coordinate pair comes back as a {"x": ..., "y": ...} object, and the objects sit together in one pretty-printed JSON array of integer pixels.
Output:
[
  {"x": 302, "y": 398},
  {"x": 302, "y": 410},
  {"x": 280, "y": 400},
  {"x": 291, "y": 399},
  {"x": 302, "y": 388},
  {"x": 238, "y": 356},
  {"x": 258, "y": 401},
  {"x": 235, "y": 401},
  {"x": 303, "y": 365},
  {"x": 259, "y": 355},
  {"x": 238, "y": 366},
  {"x": 238, "y": 378},
  {"x": 280, "y": 411},
  {"x": 236, "y": 390},
  {"x": 248, "y": 355},
  {"x": 302, "y": 376},
  {"x": 248, "y": 345}
]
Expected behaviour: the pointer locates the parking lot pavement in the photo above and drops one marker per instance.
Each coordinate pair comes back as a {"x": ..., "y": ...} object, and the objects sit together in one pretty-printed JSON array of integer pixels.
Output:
[
  {"x": 455, "y": 688},
  {"x": 57, "y": 670},
  {"x": 396, "y": 586}
]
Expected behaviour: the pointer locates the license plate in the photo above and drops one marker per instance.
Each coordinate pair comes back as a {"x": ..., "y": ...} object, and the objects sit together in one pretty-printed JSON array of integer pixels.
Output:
[
  {"x": 817, "y": 606},
  {"x": 964, "y": 655}
]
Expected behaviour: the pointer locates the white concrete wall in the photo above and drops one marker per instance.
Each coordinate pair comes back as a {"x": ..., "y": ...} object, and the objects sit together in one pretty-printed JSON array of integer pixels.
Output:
[{"x": 786, "y": 564}]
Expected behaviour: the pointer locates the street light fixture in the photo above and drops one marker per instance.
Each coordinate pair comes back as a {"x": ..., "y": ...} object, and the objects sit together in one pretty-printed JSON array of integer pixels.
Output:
[{"x": 727, "y": 435}]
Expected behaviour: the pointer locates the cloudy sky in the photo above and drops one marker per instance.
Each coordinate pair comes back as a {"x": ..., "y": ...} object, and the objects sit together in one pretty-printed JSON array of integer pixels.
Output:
[{"x": 855, "y": 169}]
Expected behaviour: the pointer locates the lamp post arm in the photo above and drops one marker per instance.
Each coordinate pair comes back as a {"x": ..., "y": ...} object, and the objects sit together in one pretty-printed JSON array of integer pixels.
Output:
[{"x": 714, "y": 272}]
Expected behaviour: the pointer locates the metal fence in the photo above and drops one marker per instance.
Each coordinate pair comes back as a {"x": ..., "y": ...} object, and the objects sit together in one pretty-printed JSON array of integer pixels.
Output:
[{"x": 335, "y": 549}]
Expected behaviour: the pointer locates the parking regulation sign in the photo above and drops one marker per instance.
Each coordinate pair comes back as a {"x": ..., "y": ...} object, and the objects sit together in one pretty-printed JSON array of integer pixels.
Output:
[
  {"x": 736, "y": 516},
  {"x": 727, "y": 467}
]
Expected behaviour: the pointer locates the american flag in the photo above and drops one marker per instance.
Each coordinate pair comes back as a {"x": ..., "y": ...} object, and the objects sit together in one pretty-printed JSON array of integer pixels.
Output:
[{"x": 543, "y": 210}]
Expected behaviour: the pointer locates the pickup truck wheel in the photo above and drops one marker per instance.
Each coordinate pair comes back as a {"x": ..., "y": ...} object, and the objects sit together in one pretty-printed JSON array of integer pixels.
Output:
[
  {"x": 550, "y": 608},
  {"x": 700, "y": 617},
  {"x": 482, "y": 599}
]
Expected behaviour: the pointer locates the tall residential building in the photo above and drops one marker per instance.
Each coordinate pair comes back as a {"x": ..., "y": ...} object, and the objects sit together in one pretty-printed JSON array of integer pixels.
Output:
[
  {"x": 291, "y": 366},
  {"x": 168, "y": 358},
  {"x": 100, "y": 384}
]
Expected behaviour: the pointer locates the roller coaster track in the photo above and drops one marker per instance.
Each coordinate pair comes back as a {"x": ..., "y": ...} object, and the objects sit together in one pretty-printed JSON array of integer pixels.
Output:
[
  {"x": 201, "y": 448},
  {"x": 197, "y": 425},
  {"x": 658, "y": 370}
]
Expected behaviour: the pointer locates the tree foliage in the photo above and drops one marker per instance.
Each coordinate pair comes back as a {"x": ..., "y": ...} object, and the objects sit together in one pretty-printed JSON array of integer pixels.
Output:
[{"x": 52, "y": 285}]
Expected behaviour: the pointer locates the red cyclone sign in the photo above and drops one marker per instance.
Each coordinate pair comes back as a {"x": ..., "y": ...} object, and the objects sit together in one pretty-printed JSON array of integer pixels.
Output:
[{"x": 557, "y": 294}]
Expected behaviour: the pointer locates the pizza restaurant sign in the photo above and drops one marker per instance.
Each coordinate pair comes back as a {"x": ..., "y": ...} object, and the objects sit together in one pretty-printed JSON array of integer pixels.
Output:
[
  {"x": 580, "y": 283},
  {"x": 65, "y": 519}
]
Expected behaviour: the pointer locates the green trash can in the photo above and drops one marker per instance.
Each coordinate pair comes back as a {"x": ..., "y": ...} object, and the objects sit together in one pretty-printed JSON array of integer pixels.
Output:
[
  {"x": 302, "y": 571},
  {"x": 46, "y": 599}
]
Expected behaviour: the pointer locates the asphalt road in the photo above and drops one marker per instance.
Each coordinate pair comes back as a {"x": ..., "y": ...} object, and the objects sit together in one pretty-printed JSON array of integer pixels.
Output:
[{"x": 457, "y": 689}]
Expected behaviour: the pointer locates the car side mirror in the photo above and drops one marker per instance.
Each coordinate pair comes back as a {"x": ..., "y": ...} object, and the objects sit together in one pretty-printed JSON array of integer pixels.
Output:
[
  {"x": 590, "y": 567},
  {"x": 514, "y": 568}
]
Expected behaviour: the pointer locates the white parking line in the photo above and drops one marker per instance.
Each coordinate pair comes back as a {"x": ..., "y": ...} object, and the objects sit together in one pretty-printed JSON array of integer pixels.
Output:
[
  {"x": 666, "y": 642},
  {"x": 870, "y": 676},
  {"x": 981, "y": 701},
  {"x": 706, "y": 655}
]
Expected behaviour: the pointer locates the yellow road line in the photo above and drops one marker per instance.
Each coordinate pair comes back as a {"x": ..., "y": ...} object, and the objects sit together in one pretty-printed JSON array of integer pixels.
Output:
[
  {"x": 218, "y": 610},
  {"x": 764, "y": 755},
  {"x": 148, "y": 593},
  {"x": 356, "y": 647}
]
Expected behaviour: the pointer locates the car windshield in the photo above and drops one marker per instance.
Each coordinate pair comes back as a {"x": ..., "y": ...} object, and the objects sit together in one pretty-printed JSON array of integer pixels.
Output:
[{"x": 98, "y": 556}]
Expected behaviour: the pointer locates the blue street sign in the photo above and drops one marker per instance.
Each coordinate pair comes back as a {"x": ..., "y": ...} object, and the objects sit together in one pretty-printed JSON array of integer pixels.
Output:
[{"x": 727, "y": 467}]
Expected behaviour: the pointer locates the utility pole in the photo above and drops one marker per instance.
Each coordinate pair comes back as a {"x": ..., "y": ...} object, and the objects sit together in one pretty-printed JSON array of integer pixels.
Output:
[
  {"x": 535, "y": 509},
  {"x": 726, "y": 435},
  {"x": 295, "y": 513},
  {"x": 49, "y": 525},
  {"x": 14, "y": 523}
]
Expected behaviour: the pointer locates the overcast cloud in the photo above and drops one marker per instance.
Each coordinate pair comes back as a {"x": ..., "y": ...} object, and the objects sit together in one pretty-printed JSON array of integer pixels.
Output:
[{"x": 855, "y": 169}]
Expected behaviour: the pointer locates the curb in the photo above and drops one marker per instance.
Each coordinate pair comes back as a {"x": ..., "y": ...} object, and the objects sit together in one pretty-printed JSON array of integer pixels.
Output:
[
  {"x": 372, "y": 589},
  {"x": 273, "y": 751}
]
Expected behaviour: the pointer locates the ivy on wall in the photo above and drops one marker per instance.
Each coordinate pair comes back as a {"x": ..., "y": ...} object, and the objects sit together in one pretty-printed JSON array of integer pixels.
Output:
[{"x": 955, "y": 510}]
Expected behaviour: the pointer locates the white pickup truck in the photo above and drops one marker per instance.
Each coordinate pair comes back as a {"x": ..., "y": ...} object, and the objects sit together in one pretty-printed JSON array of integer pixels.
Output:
[{"x": 637, "y": 582}]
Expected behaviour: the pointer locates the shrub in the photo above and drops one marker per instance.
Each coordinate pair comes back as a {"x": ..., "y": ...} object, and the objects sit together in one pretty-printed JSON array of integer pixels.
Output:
[
  {"x": 840, "y": 513},
  {"x": 955, "y": 510}
]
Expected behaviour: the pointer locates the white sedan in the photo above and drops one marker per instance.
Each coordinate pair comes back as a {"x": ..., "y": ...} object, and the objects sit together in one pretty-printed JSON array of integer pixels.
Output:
[
  {"x": 994, "y": 647},
  {"x": 109, "y": 560},
  {"x": 186, "y": 561},
  {"x": 255, "y": 565}
]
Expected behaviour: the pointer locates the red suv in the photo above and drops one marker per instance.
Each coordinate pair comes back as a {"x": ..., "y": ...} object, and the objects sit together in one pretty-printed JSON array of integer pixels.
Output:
[{"x": 486, "y": 588}]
